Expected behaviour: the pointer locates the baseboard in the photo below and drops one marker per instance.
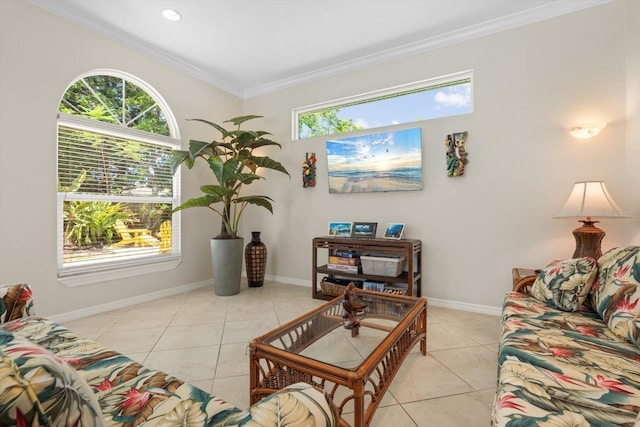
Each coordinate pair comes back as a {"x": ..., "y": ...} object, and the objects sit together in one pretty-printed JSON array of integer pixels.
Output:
[
  {"x": 288, "y": 280},
  {"x": 465, "y": 306},
  {"x": 436, "y": 302},
  {"x": 97, "y": 309}
]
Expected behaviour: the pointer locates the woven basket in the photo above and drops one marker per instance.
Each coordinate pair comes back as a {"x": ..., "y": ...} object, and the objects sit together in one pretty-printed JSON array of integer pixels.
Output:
[{"x": 332, "y": 289}]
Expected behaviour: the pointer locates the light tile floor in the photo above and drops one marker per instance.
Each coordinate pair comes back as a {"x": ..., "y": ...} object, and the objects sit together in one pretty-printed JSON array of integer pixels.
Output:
[{"x": 202, "y": 338}]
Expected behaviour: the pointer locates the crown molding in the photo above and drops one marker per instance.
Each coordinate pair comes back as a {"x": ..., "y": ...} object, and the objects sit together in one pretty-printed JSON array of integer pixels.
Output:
[
  {"x": 71, "y": 14},
  {"x": 540, "y": 13}
]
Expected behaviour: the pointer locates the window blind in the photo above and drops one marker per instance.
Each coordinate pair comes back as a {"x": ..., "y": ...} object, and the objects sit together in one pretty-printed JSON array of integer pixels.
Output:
[
  {"x": 117, "y": 194},
  {"x": 111, "y": 165}
]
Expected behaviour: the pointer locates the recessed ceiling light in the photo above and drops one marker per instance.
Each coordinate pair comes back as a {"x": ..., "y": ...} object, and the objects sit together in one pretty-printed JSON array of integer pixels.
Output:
[{"x": 171, "y": 15}]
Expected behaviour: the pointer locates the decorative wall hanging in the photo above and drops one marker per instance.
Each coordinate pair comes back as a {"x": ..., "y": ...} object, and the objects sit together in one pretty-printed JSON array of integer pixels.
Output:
[
  {"x": 389, "y": 161},
  {"x": 309, "y": 170},
  {"x": 456, "y": 153}
]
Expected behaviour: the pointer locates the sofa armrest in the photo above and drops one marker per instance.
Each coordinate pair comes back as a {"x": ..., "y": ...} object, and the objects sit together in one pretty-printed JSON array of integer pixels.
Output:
[
  {"x": 524, "y": 285},
  {"x": 299, "y": 400},
  {"x": 16, "y": 302}
]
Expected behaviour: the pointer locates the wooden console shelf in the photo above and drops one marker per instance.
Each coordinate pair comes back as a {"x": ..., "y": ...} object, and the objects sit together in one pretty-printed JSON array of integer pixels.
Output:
[{"x": 411, "y": 249}]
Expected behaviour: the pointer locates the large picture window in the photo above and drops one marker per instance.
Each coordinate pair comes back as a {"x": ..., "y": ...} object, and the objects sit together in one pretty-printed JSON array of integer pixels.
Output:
[
  {"x": 428, "y": 99},
  {"x": 115, "y": 188}
]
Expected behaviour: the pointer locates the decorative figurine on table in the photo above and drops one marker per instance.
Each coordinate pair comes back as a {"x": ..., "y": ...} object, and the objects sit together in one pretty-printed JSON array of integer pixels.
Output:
[{"x": 352, "y": 307}]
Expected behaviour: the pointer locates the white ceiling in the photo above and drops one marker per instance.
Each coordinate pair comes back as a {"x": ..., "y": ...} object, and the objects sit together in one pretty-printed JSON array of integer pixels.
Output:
[{"x": 249, "y": 47}]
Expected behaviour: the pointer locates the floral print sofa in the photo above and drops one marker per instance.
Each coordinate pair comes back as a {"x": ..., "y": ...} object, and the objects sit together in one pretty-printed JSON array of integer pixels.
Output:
[
  {"x": 569, "y": 350},
  {"x": 51, "y": 377}
]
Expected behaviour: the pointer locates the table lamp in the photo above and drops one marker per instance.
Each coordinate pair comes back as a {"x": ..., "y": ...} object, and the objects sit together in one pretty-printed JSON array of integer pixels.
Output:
[{"x": 588, "y": 200}]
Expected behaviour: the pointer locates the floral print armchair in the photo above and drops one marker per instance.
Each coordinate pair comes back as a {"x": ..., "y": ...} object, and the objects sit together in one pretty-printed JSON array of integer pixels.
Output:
[{"x": 51, "y": 377}]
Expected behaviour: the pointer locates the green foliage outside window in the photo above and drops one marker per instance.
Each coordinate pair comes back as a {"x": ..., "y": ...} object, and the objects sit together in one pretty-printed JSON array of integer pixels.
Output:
[
  {"x": 151, "y": 216},
  {"x": 93, "y": 223},
  {"x": 326, "y": 122},
  {"x": 103, "y": 164},
  {"x": 101, "y": 98}
]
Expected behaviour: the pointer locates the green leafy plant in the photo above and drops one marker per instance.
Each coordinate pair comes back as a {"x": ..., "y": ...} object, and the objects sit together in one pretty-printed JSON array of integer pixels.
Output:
[
  {"x": 88, "y": 223},
  {"x": 151, "y": 215},
  {"x": 326, "y": 122},
  {"x": 91, "y": 223},
  {"x": 234, "y": 165}
]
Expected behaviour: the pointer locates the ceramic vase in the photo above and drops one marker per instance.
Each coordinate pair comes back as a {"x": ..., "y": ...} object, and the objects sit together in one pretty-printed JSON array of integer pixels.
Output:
[{"x": 255, "y": 255}]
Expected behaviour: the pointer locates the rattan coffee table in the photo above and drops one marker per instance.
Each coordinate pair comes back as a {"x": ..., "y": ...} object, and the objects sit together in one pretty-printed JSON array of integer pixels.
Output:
[{"x": 354, "y": 366}]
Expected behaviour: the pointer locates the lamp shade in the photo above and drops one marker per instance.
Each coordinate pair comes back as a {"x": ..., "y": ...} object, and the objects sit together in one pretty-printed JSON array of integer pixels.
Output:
[{"x": 592, "y": 200}]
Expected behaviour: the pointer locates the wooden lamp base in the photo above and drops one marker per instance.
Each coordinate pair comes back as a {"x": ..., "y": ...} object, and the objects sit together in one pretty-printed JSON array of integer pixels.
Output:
[{"x": 588, "y": 239}]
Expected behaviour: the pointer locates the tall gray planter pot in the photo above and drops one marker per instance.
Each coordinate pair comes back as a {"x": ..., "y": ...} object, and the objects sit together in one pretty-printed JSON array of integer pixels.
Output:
[{"x": 226, "y": 260}]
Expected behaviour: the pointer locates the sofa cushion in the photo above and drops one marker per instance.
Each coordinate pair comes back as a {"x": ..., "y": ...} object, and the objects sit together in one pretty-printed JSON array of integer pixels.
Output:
[
  {"x": 299, "y": 401},
  {"x": 15, "y": 302},
  {"x": 616, "y": 292},
  {"x": 563, "y": 368},
  {"x": 37, "y": 388},
  {"x": 565, "y": 284},
  {"x": 43, "y": 332}
]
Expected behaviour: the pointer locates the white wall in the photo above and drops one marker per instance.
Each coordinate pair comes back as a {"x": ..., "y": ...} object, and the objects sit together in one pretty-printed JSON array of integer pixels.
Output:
[
  {"x": 633, "y": 120},
  {"x": 530, "y": 84},
  {"x": 40, "y": 55}
]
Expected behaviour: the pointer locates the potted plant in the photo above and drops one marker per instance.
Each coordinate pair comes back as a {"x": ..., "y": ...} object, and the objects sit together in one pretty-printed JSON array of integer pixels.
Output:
[{"x": 234, "y": 166}]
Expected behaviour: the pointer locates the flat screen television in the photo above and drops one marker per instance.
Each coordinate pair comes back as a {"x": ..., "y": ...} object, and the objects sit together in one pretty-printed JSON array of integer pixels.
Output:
[{"x": 387, "y": 161}]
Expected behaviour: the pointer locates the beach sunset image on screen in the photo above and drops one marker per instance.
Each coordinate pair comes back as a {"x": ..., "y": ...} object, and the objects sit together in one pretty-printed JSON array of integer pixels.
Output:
[{"x": 387, "y": 161}]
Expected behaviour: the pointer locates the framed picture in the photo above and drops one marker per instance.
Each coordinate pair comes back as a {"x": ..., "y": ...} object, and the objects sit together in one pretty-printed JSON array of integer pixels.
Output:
[
  {"x": 364, "y": 229},
  {"x": 389, "y": 161},
  {"x": 394, "y": 231},
  {"x": 340, "y": 229}
]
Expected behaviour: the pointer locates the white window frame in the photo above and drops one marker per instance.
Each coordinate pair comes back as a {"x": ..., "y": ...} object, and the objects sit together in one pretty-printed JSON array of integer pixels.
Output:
[
  {"x": 95, "y": 271},
  {"x": 373, "y": 95}
]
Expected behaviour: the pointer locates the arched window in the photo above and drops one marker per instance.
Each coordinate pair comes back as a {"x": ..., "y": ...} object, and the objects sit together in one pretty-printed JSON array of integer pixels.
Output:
[{"x": 115, "y": 187}]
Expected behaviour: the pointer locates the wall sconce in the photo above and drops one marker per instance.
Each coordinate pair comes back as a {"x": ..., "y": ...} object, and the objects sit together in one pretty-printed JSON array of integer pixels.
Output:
[{"x": 586, "y": 131}]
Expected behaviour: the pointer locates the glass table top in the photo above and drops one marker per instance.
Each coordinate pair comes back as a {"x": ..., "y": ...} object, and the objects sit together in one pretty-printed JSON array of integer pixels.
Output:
[{"x": 321, "y": 334}]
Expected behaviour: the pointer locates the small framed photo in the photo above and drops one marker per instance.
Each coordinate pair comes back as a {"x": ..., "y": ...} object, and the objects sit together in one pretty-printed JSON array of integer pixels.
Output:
[
  {"x": 340, "y": 229},
  {"x": 365, "y": 230},
  {"x": 394, "y": 231}
]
